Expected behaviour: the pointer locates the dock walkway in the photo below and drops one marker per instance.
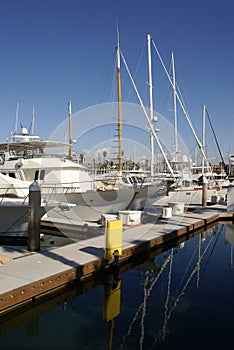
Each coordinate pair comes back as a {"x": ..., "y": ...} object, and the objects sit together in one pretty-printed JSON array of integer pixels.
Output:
[{"x": 26, "y": 275}]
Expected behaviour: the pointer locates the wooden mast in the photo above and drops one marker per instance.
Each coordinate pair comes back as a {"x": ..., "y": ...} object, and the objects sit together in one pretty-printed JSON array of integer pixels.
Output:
[{"x": 120, "y": 157}]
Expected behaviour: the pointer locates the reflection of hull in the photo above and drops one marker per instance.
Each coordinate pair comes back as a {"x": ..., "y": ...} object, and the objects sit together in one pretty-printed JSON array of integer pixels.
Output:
[
  {"x": 90, "y": 205},
  {"x": 229, "y": 235}
]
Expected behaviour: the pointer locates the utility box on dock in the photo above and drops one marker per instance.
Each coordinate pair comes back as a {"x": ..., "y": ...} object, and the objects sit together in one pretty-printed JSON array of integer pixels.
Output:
[
  {"x": 177, "y": 208},
  {"x": 130, "y": 217},
  {"x": 167, "y": 213},
  {"x": 113, "y": 239}
]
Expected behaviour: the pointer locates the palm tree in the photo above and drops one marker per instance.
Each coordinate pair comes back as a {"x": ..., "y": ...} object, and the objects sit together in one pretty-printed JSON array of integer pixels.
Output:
[{"x": 104, "y": 155}]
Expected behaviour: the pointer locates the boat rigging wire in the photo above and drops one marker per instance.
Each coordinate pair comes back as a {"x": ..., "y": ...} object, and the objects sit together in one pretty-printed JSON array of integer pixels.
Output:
[
  {"x": 216, "y": 140},
  {"x": 167, "y": 260},
  {"x": 179, "y": 295},
  {"x": 181, "y": 104},
  {"x": 147, "y": 118}
]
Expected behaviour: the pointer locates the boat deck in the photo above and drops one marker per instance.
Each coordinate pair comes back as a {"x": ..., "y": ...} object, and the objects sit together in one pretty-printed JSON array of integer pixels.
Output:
[{"x": 26, "y": 276}]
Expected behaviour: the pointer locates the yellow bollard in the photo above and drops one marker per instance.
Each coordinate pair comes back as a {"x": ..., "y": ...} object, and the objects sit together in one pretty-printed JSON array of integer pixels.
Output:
[{"x": 113, "y": 239}]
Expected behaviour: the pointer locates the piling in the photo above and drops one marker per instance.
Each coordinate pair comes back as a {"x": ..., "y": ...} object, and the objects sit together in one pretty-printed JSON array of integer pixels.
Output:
[
  {"x": 34, "y": 217},
  {"x": 204, "y": 192}
]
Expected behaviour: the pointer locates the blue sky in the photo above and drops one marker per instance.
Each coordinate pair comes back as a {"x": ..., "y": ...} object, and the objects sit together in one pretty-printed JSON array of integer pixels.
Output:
[{"x": 53, "y": 51}]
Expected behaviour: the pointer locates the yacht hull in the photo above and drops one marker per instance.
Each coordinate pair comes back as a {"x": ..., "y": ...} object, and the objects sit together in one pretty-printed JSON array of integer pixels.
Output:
[
  {"x": 14, "y": 219},
  {"x": 89, "y": 206}
]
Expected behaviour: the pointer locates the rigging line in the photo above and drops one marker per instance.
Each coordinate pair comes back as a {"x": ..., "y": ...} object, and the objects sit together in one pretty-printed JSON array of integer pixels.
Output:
[
  {"x": 216, "y": 140},
  {"x": 147, "y": 117},
  {"x": 190, "y": 277},
  {"x": 167, "y": 300},
  {"x": 144, "y": 310},
  {"x": 185, "y": 272},
  {"x": 16, "y": 222},
  {"x": 177, "y": 299},
  {"x": 208, "y": 259},
  {"x": 137, "y": 67},
  {"x": 199, "y": 256},
  {"x": 181, "y": 104},
  {"x": 147, "y": 296}
]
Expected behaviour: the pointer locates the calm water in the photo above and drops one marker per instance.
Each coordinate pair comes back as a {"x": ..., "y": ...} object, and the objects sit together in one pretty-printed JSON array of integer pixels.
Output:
[{"x": 180, "y": 299}]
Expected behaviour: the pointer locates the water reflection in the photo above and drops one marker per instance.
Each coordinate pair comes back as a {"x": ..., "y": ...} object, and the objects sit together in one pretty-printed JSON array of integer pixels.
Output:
[
  {"x": 171, "y": 298},
  {"x": 229, "y": 239}
]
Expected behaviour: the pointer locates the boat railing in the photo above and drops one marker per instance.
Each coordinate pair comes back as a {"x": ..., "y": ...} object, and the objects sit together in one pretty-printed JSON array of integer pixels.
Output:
[{"x": 11, "y": 192}]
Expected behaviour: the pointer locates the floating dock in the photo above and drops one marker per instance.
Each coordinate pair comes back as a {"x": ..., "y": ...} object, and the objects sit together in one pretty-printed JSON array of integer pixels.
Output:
[{"x": 28, "y": 276}]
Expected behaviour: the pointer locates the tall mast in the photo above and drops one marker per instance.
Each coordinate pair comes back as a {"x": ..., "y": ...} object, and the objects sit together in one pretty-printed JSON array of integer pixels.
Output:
[
  {"x": 70, "y": 129},
  {"x": 150, "y": 105},
  {"x": 203, "y": 136},
  {"x": 174, "y": 107},
  {"x": 119, "y": 107}
]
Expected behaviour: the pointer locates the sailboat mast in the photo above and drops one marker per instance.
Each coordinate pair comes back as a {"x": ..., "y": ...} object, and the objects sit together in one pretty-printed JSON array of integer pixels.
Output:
[
  {"x": 174, "y": 107},
  {"x": 150, "y": 105},
  {"x": 70, "y": 129},
  {"x": 203, "y": 136},
  {"x": 119, "y": 110}
]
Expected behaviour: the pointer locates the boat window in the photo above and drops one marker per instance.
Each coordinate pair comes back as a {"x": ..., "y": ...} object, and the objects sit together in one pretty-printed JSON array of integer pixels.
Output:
[
  {"x": 12, "y": 175},
  {"x": 186, "y": 183},
  {"x": 42, "y": 174},
  {"x": 36, "y": 175}
]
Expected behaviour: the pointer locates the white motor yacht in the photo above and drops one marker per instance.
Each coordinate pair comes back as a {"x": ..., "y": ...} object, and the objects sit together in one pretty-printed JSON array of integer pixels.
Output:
[{"x": 63, "y": 180}]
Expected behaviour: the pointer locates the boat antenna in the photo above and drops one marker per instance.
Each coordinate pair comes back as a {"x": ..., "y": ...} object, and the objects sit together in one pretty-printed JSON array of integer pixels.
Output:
[
  {"x": 70, "y": 129},
  {"x": 119, "y": 104},
  {"x": 33, "y": 121},
  {"x": 16, "y": 119}
]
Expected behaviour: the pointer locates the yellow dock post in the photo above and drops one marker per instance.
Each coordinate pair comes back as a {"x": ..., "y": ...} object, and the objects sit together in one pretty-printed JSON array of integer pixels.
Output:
[{"x": 113, "y": 239}]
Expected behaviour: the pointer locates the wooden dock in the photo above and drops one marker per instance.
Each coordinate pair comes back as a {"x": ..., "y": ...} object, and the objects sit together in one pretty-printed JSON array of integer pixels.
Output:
[{"x": 28, "y": 276}]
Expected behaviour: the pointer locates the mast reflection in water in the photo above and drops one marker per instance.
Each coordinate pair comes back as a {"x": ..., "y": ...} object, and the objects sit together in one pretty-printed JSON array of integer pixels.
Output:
[{"x": 177, "y": 299}]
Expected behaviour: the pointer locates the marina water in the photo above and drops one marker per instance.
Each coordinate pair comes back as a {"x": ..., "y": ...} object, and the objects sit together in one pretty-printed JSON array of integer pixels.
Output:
[{"x": 179, "y": 298}]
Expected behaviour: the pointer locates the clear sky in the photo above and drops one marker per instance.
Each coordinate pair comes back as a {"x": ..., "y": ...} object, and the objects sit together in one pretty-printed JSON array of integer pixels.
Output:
[{"x": 53, "y": 51}]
